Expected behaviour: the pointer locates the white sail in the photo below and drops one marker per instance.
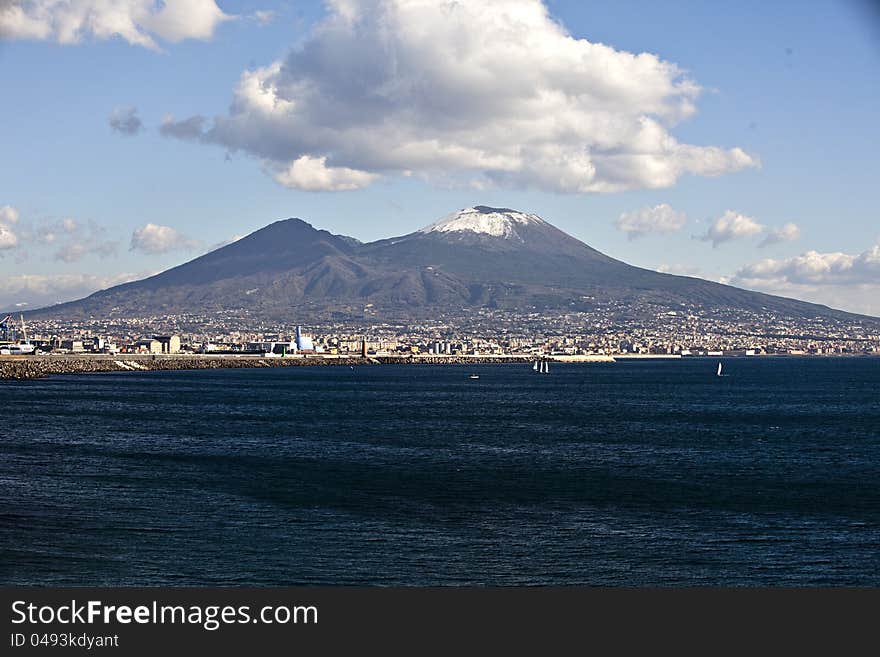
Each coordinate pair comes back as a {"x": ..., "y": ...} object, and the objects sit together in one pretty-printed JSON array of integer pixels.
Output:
[
  {"x": 719, "y": 369},
  {"x": 547, "y": 367},
  {"x": 535, "y": 367}
]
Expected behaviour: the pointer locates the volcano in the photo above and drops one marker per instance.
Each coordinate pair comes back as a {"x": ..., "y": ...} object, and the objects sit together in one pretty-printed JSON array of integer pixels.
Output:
[{"x": 477, "y": 257}]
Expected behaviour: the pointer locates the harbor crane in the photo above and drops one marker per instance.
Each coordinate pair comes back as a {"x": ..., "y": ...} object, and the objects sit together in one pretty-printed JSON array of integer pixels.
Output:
[
  {"x": 5, "y": 325},
  {"x": 22, "y": 346}
]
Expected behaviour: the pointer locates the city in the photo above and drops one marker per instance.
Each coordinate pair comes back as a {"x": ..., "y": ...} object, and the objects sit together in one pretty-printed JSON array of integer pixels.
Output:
[{"x": 612, "y": 331}]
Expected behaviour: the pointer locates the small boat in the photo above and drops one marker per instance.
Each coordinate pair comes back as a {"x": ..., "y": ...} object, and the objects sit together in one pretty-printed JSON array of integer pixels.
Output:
[
  {"x": 474, "y": 376},
  {"x": 719, "y": 370},
  {"x": 17, "y": 349},
  {"x": 21, "y": 348},
  {"x": 535, "y": 366}
]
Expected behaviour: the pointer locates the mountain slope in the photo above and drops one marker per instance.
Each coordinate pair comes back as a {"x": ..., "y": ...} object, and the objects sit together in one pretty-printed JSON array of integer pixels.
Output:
[
  {"x": 281, "y": 246},
  {"x": 539, "y": 265},
  {"x": 282, "y": 262},
  {"x": 476, "y": 257}
]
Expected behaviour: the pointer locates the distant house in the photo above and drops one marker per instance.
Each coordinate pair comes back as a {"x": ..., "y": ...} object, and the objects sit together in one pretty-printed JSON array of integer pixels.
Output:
[
  {"x": 149, "y": 345},
  {"x": 170, "y": 344},
  {"x": 73, "y": 346},
  {"x": 273, "y": 347}
]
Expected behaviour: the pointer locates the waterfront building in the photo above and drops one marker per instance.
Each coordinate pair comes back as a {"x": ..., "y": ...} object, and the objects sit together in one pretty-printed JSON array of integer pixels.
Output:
[
  {"x": 303, "y": 342},
  {"x": 73, "y": 346},
  {"x": 170, "y": 343},
  {"x": 147, "y": 345}
]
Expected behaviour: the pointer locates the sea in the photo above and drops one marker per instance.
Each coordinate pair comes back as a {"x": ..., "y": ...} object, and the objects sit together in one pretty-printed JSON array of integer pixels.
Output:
[{"x": 635, "y": 473}]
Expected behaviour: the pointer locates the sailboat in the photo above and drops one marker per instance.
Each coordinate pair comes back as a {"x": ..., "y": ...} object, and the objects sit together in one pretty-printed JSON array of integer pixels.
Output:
[
  {"x": 719, "y": 370},
  {"x": 535, "y": 367}
]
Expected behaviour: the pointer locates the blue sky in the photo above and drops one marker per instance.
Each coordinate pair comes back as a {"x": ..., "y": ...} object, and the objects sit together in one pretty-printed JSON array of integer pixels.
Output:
[{"x": 788, "y": 97}]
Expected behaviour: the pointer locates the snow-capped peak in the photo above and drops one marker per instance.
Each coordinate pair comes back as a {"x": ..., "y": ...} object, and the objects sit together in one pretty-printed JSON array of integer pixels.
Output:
[{"x": 497, "y": 222}]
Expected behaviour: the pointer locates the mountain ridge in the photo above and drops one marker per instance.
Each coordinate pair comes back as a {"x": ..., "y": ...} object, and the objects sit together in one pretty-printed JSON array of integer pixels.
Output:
[{"x": 478, "y": 257}]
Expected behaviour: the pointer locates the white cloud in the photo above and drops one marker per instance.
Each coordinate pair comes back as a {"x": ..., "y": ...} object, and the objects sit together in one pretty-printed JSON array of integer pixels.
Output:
[
  {"x": 659, "y": 219},
  {"x": 73, "y": 240},
  {"x": 153, "y": 238},
  {"x": 813, "y": 267},
  {"x": 35, "y": 290},
  {"x": 473, "y": 90},
  {"x": 139, "y": 22},
  {"x": 186, "y": 19},
  {"x": 125, "y": 120},
  {"x": 220, "y": 245},
  {"x": 679, "y": 270},
  {"x": 837, "y": 279},
  {"x": 8, "y": 239},
  {"x": 52, "y": 232},
  {"x": 8, "y": 215},
  {"x": 264, "y": 16},
  {"x": 75, "y": 251},
  {"x": 190, "y": 128},
  {"x": 788, "y": 233},
  {"x": 731, "y": 226},
  {"x": 312, "y": 174}
]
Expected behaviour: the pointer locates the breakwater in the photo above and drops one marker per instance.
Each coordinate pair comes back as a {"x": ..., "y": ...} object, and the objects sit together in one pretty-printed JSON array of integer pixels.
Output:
[{"x": 33, "y": 367}]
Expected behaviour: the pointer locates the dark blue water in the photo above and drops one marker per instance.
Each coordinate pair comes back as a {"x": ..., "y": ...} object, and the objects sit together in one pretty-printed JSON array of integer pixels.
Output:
[{"x": 634, "y": 473}]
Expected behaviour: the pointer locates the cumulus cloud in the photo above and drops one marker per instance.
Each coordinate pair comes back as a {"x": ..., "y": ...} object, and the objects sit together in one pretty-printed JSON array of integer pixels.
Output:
[
  {"x": 8, "y": 239},
  {"x": 75, "y": 251},
  {"x": 659, "y": 219},
  {"x": 190, "y": 128},
  {"x": 837, "y": 279},
  {"x": 788, "y": 233},
  {"x": 731, "y": 226},
  {"x": 8, "y": 218},
  {"x": 312, "y": 174},
  {"x": 227, "y": 242},
  {"x": 8, "y": 215},
  {"x": 153, "y": 239},
  {"x": 679, "y": 270},
  {"x": 814, "y": 267},
  {"x": 491, "y": 93},
  {"x": 35, "y": 290},
  {"x": 53, "y": 231},
  {"x": 139, "y": 22},
  {"x": 71, "y": 239},
  {"x": 125, "y": 120}
]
